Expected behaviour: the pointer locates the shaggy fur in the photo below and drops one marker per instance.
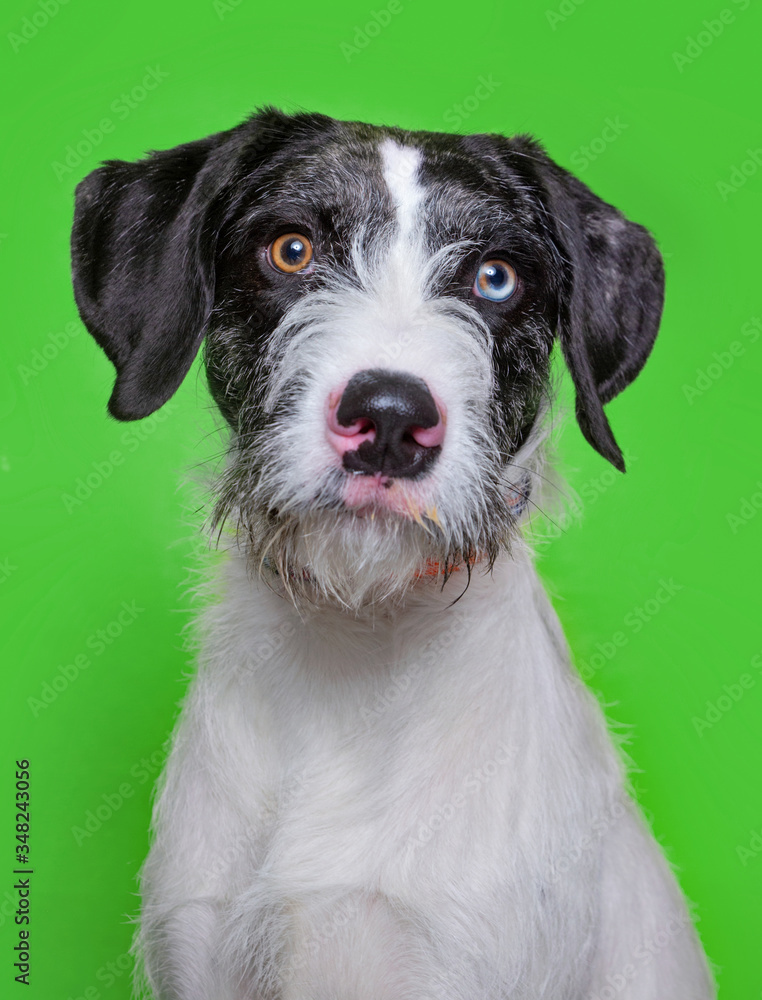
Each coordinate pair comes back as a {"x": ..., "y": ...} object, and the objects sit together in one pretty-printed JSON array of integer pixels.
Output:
[{"x": 387, "y": 780}]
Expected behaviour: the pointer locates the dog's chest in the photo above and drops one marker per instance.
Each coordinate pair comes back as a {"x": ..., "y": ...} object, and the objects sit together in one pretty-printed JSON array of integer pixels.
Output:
[
  {"x": 421, "y": 838},
  {"x": 406, "y": 782},
  {"x": 362, "y": 752},
  {"x": 400, "y": 755},
  {"x": 389, "y": 810}
]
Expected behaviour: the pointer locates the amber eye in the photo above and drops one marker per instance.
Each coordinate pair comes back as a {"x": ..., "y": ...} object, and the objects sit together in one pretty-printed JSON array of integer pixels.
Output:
[{"x": 291, "y": 252}]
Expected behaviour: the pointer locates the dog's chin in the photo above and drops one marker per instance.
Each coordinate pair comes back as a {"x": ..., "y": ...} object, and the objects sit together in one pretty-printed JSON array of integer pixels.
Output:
[{"x": 355, "y": 557}]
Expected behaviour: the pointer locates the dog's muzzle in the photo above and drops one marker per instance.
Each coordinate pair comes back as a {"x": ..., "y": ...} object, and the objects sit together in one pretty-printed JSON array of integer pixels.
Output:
[{"x": 386, "y": 424}]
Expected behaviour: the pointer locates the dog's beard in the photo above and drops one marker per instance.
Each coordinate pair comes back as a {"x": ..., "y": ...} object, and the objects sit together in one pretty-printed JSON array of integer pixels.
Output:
[
  {"x": 291, "y": 516},
  {"x": 316, "y": 548}
]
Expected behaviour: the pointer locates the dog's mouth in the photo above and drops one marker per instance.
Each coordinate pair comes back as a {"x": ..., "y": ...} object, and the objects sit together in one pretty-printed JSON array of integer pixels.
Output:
[
  {"x": 379, "y": 495},
  {"x": 364, "y": 539}
]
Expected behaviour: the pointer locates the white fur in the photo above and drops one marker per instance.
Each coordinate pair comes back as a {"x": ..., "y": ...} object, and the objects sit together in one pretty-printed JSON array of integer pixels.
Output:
[
  {"x": 366, "y": 809},
  {"x": 401, "y": 164},
  {"x": 385, "y": 795}
]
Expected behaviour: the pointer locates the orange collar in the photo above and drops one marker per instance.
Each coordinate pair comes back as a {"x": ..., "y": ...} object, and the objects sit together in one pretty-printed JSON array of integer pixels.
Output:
[{"x": 432, "y": 569}]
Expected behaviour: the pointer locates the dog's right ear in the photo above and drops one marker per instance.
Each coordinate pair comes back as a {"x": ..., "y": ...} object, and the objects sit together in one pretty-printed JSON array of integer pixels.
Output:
[
  {"x": 143, "y": 249},
  {"x": 142, "y": 269}
]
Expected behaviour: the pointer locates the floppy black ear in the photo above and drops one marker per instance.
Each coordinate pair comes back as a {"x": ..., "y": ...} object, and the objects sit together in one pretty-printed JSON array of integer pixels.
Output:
[
  {"x": 142, "y": 262},
  {"x": 612, "y": 295}
]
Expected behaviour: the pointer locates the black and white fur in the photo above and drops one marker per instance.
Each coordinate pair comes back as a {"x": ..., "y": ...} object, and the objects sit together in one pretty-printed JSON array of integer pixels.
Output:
[{"x": 387, "y": 780}]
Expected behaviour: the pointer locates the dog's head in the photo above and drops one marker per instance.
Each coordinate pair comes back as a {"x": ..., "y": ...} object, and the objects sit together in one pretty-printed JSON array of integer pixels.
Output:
[{"x": 379, "y": 309}]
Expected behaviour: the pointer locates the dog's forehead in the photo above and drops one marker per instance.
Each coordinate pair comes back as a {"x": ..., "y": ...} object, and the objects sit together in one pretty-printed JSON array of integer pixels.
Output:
[{"x": 366, "y": 173}]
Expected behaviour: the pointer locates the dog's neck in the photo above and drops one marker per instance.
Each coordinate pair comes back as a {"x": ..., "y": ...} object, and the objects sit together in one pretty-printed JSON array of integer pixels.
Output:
[
  {"x": 431, "y": 569},
  {"x": 497, "y": 654},
  {"x": 463, "y": 592}
]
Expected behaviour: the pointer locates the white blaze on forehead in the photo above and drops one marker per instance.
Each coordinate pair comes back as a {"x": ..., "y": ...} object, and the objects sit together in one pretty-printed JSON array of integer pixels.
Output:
[{"x": 400, "y": 166}]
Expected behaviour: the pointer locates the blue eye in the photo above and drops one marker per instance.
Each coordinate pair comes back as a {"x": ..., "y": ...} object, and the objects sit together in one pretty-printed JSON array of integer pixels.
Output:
[{"x": 495, "y": 280}]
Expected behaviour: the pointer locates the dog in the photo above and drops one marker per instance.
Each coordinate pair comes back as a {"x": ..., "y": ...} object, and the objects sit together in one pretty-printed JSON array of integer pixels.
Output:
[{"x": 387, "y": 780}]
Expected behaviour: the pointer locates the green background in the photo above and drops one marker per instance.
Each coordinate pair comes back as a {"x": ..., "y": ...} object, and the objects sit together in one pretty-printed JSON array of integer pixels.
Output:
[{"x": 685, "y": 512}]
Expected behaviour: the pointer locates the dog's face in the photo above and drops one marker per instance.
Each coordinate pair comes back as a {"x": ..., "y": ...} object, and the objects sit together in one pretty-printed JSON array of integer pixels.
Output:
[{"x": 379, "y": 309}]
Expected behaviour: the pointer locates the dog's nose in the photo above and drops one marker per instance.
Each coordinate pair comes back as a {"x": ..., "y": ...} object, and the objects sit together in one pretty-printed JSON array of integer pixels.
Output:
[{"x": 386, "y": 423}]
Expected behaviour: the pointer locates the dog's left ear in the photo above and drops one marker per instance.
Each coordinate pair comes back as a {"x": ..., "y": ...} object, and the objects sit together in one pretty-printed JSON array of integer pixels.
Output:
[{"x": 612, "y": 294}]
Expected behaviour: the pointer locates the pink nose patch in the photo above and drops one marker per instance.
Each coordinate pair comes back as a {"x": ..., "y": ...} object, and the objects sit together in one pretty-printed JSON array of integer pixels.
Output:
[
  {"x": 349, "y": 438},
  {"x": 346, "y": 438}
]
